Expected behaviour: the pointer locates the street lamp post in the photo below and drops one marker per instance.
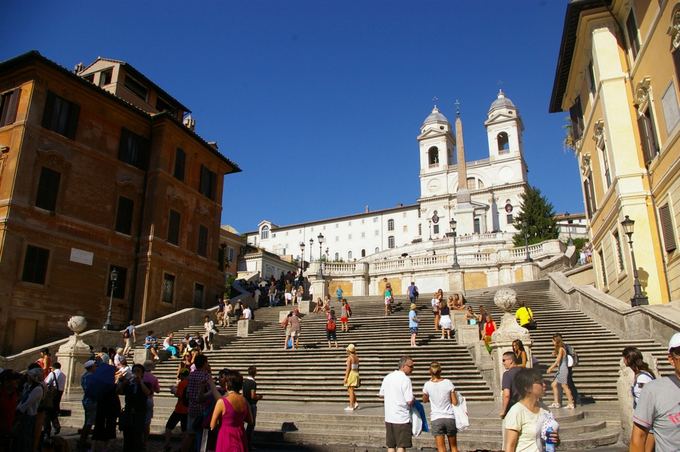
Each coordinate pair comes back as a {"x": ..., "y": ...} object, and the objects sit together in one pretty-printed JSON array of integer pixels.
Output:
[
  {"x": 526, "y": 245},
  {"x": 113, "y": 277},
  {"x": 302, "y": 257},
  {"x": 311, "y": 243},
  {"x": 320, "y": 238},
  {"x": 638, "y": 299},
  {"x": 570, "y": 242},
  {"x": 455, "y": 265}
]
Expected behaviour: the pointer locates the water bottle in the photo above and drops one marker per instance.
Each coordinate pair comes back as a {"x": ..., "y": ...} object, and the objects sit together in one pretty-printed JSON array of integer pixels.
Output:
[{"x": 549, "y": 444}]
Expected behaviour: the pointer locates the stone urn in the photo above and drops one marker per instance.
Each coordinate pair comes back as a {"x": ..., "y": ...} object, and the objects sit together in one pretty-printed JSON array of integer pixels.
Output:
[
  {"x": 77, "y": 324},
  {"x": 509, "y": 330}
]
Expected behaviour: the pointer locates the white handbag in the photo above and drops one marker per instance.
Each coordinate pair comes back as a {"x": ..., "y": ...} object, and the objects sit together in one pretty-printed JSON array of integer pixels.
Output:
[{"x": 460, "y": 412}]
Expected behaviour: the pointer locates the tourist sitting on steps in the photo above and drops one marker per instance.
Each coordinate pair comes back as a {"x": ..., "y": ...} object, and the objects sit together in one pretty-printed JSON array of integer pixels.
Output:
[
  {"x": 151, "y": 344},
  {"x": 518, "y": 349}
]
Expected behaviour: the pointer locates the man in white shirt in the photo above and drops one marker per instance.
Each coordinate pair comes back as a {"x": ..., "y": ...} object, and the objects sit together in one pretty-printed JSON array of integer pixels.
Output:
[
  {"x": 397, "y": 391},
  {"x": 57, "y": 379}
]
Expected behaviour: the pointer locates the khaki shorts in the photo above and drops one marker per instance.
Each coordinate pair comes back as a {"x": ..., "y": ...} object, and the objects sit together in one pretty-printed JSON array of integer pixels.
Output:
[{"x": 398, "y": 435}]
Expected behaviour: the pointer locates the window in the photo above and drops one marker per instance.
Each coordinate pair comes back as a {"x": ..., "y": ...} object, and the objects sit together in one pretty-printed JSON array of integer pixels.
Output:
[
  {"x": 230, "y": 254},
  {"x": 605, "y": 164},
  {"x": 349, "y": 236},
  {"x": 137, "y": 88},
  {"x": 180, "y": 160},
  {"x": 119, "y": 289},
  {"x": 133, "y": 149},
  {"x": 48, "y": 189},
  {"x": 576, "y": 115},
  {"x": 207, "y": 183},
  {"x": 124, "y": 215},
  {"x": 632, "y": 32},
  {"x": 202, "y": 241},
  {"x": 667, "y": 229},
  {"x": 163, "y": 105},
  {"x": 375, "y": 219},
  {"x": 9, "y": 103},
  {"x": 503, "y": 143},
  {"x": 619, "y": 253},
  {"x": 363, "y": 253},
  {"x": 105, "y": 77},
  {"x": 509, "y": 218},
  {"x": 591, "y": 78},
  {"x": 349, "y": 255},
  {"x": 199, "y": 291},
  {"x": 603, "y": 269},
  {"x": 363, "y": 235},
  {"x": 337, "y": 256},
  {"x": 433, "y": 156},
  {"x": 420, "y": 229},
  {"x": 477, "y": 226},
  {"x": 650, "y": 147},
  {"x": 264, "y": 232},
  {"x": 405, "y": 228},
  {"x": 390, "y": 242},
  {"x": 435, "y": 229},
  {"x": 174, "y": 220},
  {"x": 586, "y": 192},
  {"x": 376, "y": 249},
  {"x": 390, "y": 225},
  {"x": 60, "y": 115},
  {"x": 35, "y": 264},
  {"x": 168, "y": 292}
]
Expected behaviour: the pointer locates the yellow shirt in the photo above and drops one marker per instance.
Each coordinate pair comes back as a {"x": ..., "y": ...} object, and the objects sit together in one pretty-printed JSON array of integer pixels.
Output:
[{"x": 523, "y": 315}]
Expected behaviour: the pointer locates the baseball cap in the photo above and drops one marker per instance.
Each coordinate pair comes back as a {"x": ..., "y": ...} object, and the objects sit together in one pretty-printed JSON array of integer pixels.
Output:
[{"x": 674, "y": 342}]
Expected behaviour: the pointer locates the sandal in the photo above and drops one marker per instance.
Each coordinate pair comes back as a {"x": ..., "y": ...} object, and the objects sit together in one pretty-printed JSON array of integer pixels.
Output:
[{"x": 554, "y": 405}]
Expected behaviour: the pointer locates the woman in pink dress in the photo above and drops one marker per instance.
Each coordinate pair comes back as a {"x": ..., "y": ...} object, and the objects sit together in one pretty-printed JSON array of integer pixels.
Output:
[{"x": 231, "y": 411}]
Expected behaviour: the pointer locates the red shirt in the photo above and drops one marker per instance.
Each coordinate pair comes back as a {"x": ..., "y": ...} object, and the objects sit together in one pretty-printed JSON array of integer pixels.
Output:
[{"x": 180, "y": 407}]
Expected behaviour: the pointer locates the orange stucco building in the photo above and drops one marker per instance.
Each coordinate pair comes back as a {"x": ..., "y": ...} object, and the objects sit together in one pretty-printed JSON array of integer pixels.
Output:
[{"x": 100, "y": 170}]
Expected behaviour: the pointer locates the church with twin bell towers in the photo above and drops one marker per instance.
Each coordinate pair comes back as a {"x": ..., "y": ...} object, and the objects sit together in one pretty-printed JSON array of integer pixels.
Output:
[{"x": 482, "y": 196}]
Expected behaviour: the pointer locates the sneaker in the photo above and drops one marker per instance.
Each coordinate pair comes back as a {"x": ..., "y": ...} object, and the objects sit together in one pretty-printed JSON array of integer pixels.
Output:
[
  {"x": 570, "y": 406},
  {"x": 356, "y": 405},
  {"x": 554, "y": 405},
  {"x": 349, "y": 408}
]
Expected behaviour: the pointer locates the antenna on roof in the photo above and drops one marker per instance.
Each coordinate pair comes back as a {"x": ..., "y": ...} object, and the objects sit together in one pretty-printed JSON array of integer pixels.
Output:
[{"x": 189, "y": 122}]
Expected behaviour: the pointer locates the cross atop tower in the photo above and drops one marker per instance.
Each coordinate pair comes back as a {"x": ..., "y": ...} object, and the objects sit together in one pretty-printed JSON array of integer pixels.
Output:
[
  {"x": 435, "y": 99},
  {"x": 457, "y": 104}
]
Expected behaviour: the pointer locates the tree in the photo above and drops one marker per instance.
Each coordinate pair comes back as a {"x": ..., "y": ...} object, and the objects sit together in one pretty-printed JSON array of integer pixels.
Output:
[{"x": 536, "y": 218}]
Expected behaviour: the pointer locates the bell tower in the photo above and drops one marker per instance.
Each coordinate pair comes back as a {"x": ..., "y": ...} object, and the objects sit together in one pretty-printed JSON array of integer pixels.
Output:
[
  {"x": 504, "y": 129},
  {"x": 436, "y": 145}
]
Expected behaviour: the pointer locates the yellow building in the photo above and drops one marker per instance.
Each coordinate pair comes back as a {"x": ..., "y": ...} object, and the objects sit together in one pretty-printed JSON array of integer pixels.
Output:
[{"x": 618, "y": 76}]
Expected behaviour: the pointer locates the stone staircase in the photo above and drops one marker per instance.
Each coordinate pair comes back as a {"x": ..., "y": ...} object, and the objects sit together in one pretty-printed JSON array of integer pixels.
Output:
[
  {"x": 305, "y": 386},
  {"x": 599, "y": 349}
]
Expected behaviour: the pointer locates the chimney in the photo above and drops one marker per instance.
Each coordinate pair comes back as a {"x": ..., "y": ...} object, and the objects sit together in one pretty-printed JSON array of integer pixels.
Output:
[
  {"x": 366, "y": 209},
  {"x": 213, "y": 144},
  {"x": 78, "y": 68}
]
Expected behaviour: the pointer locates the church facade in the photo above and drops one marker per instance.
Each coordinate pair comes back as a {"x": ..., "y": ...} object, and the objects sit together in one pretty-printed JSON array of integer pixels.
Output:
[{"x": 482, "y": 196}]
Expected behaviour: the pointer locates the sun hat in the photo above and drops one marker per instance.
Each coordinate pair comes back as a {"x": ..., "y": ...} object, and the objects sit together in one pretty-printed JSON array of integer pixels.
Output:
[
  {"x": 351, "y": 348},
  {"x": 674, "y": 342},
  {"x": 413, "y": 306}
]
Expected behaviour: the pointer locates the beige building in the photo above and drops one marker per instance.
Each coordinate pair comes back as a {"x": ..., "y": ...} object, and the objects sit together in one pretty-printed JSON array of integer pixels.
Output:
[
  {"x": 618, "y": 76},
  {"x": 98, "y": 172}
]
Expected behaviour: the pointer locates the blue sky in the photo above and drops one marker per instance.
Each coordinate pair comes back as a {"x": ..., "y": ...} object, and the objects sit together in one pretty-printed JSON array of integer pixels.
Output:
[{"x": 320, "y": 101}]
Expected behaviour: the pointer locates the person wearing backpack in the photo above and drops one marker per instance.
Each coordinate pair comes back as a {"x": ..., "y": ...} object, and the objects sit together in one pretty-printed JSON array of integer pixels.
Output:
[
  {"x": 658, "y": 409},
  {"x": 55, "y": 382},
  {"x": 632, "y": 357},
  {"x": 572, "y": 361},
  {"x": 331, "y": 327}
]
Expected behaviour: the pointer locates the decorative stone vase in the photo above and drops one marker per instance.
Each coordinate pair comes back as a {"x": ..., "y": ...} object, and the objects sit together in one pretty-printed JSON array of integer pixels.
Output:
[
  {"x": 77, "y": 324},
  {"x": 509, "y": 330}
]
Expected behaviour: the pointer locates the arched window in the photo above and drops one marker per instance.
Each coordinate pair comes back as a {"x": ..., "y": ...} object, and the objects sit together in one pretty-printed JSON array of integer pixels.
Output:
[
  {"x": 433, "y": 156},
  {"x": 390, "y": 225},
  {"x": 349, "y": 255},
  {"x": 471, "y": 183},
  {"x": 376, "y": 249},
  {"x": 264, "y": 232},
  {"x": 363, "y": 253},
  {"x": 337, "y": 256},
  {"x": 503, "y": 143},
  {"x": 390, "y": 241}
]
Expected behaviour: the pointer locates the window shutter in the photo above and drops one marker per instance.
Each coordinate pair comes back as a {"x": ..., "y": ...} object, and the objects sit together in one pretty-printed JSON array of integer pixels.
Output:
[
  {"x": 667, "y": 228},
  {"x": 10, "y": 103},
  {"x": 72, "y": 124},
  {"x": 49, "y": 108}
]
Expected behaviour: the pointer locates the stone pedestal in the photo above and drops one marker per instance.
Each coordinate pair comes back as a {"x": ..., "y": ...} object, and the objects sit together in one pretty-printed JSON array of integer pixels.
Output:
[
  {"x": 303, "y": 306},
  {"x": 458, "y": 319},
  {"x": 244, "y": 328},
  {"x": 456, "y": 281},
  {"x": 623, "y": 385},
  {"x": 140, "y": 355},
  {"x": 319, "y": 287},
  {"x": 72, "y": 355},
  {"x": 468, "y": 334}
]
